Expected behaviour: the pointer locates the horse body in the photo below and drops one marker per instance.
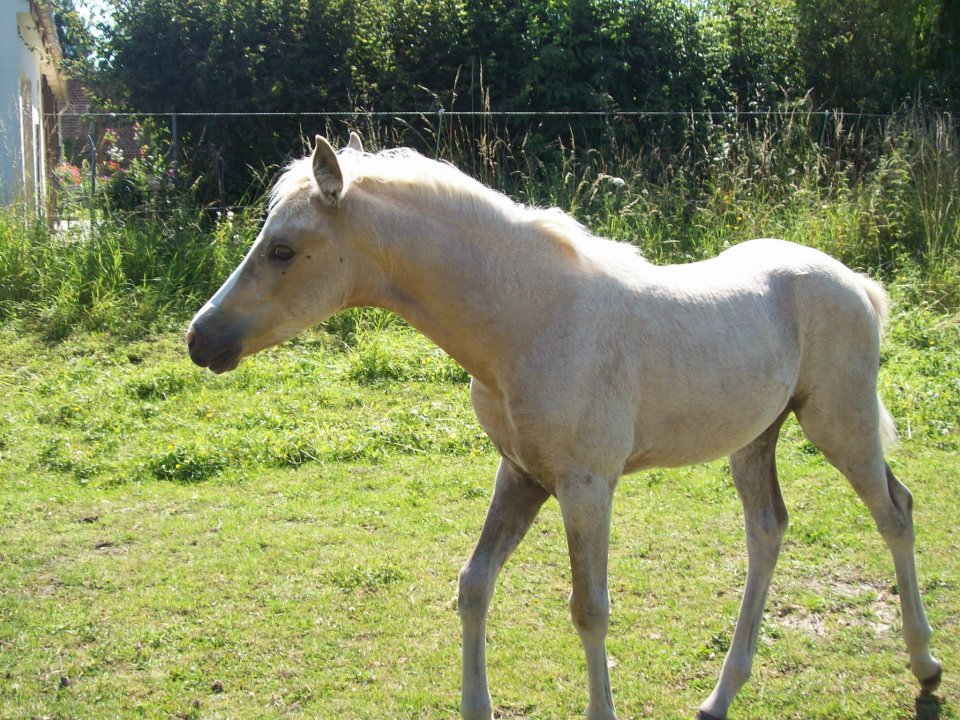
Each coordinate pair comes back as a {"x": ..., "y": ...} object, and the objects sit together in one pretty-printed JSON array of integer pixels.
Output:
[
  {"x": 587, "y": 362},
  {"x": 685, "y": 364}
]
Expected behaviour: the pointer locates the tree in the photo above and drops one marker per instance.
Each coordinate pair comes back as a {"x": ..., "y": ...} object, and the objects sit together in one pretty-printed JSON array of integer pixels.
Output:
[
  {"x": 183, "y": 56},
  {"x": 585, "y": 56},
  {"x": 864, "y": 56},
  {"x": 944, "y": 57},
  {"x": 428, "y": 48},
  {"x": 74, "y": 36},
  {"x": 758, "y": 62}
]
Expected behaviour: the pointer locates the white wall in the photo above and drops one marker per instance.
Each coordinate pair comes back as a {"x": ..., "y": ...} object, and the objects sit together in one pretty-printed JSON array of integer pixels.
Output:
[{"x": 21, "y": 111}]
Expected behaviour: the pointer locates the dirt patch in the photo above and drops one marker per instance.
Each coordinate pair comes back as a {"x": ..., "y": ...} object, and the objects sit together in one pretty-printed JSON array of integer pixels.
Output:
[
  {"x": 799, "y": 619},
  {"x": 843, "y": 599}
]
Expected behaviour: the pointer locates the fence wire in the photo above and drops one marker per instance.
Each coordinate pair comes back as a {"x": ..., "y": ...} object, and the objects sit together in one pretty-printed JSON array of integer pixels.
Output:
[{"x": 477, "y": 140}]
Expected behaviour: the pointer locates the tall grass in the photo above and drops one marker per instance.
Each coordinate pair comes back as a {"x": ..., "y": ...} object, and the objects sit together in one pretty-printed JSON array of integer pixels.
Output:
[
  {"x": 885, "y": 202},
  {"x": 122, "y": 274},
  {"x": 882, "y": 199}
]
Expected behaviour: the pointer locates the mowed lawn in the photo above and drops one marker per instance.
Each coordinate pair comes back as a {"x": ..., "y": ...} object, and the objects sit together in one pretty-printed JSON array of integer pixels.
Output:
[{"x": 284, "y": 541}]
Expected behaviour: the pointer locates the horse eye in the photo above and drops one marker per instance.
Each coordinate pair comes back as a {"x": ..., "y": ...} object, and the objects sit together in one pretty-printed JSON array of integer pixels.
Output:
[{"x": 280, "y": 253}]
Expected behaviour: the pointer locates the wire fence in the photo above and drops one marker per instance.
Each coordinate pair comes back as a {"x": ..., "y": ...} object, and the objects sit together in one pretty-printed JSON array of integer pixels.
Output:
[{"x": 233, "y": 150}]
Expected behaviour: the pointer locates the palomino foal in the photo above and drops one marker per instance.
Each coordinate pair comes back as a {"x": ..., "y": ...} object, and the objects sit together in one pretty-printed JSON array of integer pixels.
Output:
[{"x": 587, "y": 363}]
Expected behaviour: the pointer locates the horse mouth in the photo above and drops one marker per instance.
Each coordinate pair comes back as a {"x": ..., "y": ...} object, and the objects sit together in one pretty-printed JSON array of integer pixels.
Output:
[{"x": 224, "y": 362}]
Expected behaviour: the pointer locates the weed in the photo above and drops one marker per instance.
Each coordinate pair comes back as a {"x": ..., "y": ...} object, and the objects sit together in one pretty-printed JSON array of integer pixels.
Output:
[
  {"x": 884, "y": 202},
  {"x": 379, "y": 356},
  {"x": 365, "y": 578},
  {"x": 187, "y": 464},
  {"x": 161, "y": 383}
]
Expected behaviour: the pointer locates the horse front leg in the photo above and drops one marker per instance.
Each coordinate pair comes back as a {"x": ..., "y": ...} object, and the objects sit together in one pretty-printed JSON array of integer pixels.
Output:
[
  {"x": 516, "y": 501},
  {"x": 585, "y": 504}
]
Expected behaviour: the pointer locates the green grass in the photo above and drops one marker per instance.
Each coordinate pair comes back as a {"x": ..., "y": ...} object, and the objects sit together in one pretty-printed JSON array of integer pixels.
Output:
[{"x": 284, "y": 541}]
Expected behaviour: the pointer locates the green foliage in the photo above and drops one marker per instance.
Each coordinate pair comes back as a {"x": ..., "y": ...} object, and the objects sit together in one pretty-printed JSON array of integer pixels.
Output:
[
  {"x": 886, "y": 208},
  {"x": 134, "y": 274},
  {"x": 427, "y": 48},
  {"x": 571, "y": 55},
  {"x": 873, "y": 56},
  {"x": 754, "y": 58},
  {"x": 887, "y": 205},
  {"x": 103, "y": 411},
  {"x": 380, "y": 356},
  {"x": 74, "y": 35},
  {"x": 169, "y": 55},
  {"x": 187, "y": 464},
  {"x": 147, "y": 183},
  {"x": 115, "y": 412}
]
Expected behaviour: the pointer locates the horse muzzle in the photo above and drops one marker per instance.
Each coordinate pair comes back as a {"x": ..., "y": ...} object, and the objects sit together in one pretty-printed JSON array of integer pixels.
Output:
[{"x": 216, "y": 351}]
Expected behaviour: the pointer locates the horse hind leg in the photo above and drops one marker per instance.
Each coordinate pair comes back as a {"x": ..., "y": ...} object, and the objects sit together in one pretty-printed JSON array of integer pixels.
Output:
[
  {"x": 848, "y": 433},
  {"x": 916, "y": 631},
  {"x": 765, "y": 519}
]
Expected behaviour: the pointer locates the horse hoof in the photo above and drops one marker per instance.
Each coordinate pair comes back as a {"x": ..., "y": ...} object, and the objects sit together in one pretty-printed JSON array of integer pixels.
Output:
[
  {"x": 701, "y": 715},
  {"x": 930, "y": 685}
]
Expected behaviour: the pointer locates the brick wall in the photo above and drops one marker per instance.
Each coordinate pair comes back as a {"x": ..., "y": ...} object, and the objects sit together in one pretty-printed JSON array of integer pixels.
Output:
[{"x": 76, "y": 127}]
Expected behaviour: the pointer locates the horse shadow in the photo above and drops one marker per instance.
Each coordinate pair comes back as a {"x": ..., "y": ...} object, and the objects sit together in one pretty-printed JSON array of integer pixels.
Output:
[{"x": 927, "y": 707}]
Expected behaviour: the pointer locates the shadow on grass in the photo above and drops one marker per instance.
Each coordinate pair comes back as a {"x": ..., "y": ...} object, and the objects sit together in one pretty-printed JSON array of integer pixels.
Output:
[{"x": 928, "y": 707}]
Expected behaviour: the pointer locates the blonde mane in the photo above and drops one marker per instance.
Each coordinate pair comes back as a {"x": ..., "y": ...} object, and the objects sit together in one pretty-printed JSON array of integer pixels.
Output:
[{"x": 406, "y": 171}]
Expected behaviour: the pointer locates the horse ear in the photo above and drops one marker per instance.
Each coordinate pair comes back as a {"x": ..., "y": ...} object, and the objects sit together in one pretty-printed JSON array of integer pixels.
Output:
[
  {"x": 326, "y": 171},
  {"x": 355, "y": 142}
]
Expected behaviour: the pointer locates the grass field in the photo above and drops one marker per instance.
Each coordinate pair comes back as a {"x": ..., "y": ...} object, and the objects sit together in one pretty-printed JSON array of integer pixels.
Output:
[{"x": 284, "y": 541}]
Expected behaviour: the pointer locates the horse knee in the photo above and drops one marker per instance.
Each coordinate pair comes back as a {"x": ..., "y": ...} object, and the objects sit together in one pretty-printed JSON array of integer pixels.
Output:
[
  {"x": 897, "y": 532},
  {"x": 590, "y": 611},
  {"x": 474, "y": 592}
]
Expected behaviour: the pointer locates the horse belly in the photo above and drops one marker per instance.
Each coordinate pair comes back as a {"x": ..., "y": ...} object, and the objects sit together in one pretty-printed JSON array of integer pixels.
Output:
[{"x": 706, "y": 428}]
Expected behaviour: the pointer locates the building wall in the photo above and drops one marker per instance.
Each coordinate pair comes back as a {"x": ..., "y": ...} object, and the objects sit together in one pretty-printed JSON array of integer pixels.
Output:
[{"x": 23, "y": 140}]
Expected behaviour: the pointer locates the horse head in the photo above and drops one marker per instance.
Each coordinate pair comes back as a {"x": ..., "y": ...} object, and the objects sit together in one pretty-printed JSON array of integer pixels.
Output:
[{"x": 296, "y": 274}]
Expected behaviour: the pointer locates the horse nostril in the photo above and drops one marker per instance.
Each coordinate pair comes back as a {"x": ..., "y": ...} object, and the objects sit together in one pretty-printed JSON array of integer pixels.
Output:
[{"x": 191, "y": 338}]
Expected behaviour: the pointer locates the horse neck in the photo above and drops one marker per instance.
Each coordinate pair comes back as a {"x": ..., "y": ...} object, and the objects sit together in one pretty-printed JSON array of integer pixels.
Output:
[{"x": 459, "y": 276}]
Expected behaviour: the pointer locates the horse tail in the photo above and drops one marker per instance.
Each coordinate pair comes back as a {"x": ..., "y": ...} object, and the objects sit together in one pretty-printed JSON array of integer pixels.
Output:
[
  {"x": 880, "y": 305},
  {"x": 879, "y": 301},
  {"x": 888, "y": 430}
]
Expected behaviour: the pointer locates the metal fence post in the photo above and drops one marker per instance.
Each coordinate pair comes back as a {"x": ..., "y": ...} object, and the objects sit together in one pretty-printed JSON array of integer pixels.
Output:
[
  {"x": 823, "y": 130},
  {"x": 94, "y": 134},
  {"x": 175, "y": 143},
  {"x": 440, "y": 112}
]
